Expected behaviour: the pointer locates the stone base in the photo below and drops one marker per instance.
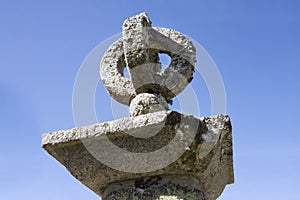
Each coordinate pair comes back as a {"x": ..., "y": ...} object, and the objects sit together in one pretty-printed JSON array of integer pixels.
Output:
[{"x": 156, "y": 188}]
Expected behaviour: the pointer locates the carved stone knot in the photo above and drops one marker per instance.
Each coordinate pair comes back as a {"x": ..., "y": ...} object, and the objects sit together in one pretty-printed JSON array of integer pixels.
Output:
[{"x": 138, "y": 50}]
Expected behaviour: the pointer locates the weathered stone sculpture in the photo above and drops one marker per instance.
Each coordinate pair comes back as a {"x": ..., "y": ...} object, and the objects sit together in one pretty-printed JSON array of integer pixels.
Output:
[{"x": 156, "y": 153}]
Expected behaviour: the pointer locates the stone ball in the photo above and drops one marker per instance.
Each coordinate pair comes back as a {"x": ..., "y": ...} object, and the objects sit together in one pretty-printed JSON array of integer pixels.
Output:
[{"x": 147, "y": 103}]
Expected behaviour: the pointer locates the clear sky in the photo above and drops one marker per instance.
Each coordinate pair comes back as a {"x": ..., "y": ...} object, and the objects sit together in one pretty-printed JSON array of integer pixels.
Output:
[{"x": 255, "y": 44}]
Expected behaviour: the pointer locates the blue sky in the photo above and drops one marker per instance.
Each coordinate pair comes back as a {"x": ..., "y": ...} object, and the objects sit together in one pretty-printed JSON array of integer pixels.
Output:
[{"x": 255, "y": 45}]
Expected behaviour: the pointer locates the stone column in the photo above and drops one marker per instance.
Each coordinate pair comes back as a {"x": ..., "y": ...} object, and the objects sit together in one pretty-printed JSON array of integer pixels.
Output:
[{"x": 156, "y": 153}]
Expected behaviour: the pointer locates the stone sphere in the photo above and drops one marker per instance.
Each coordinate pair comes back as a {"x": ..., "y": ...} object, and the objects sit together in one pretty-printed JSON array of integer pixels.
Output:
[{"x": 147, "y": 103}]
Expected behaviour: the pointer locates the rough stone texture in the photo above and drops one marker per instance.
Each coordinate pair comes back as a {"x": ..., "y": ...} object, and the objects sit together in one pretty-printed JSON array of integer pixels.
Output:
[
  {"x": 136, "y": 33},
  {"x": 174, "y": 187},
  {"x": 208, "y": 158},
  {"x": 147, "y": 103},
  {"x": 112, "y": 74},
  {"x": 138, "y": 49}
]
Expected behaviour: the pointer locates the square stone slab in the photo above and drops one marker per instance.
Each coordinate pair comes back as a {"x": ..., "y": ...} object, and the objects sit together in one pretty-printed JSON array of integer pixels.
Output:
[{"x": 155, "y": 144}]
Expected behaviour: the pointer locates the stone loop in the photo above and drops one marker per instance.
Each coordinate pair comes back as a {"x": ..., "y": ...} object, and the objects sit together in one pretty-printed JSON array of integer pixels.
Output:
[{"x": 146, "y": 76}]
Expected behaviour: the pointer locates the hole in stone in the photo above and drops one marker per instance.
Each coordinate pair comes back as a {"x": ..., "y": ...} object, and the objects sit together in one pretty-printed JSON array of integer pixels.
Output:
[
  {"x": 126, "y": 72},
  {"x": 122, "y": 67},
  {"x": 165, "y": 60}
]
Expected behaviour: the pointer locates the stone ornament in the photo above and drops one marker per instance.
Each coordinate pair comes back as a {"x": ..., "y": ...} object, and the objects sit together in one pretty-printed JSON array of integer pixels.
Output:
[
  {"x": 138, "y": 50},
  {"x": 156, "y": 154}
]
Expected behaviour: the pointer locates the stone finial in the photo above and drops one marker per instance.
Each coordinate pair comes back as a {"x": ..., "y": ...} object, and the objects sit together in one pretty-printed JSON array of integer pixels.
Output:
[
  {"x": 156, "y": 154},
  {"x": 138, "y": 49}
]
